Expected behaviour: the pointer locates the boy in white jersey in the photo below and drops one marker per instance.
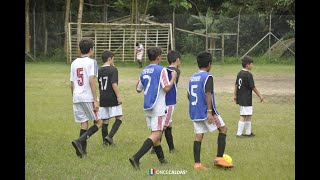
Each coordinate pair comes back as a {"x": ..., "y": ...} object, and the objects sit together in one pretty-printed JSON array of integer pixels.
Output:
[
  {"x": 139, "y": 53},
  {"x": 83, "y": 89},
  {"x": 155, "y": 83}
]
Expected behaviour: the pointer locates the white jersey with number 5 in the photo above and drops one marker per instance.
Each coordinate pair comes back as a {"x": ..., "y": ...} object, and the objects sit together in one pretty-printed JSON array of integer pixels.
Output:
[{"x": 81, "y": 69}]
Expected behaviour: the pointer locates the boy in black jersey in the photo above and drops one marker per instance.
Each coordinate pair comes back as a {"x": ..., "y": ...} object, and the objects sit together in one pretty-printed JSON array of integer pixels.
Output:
[
  {"x": 110, "y": 99},
  {"x": 243, "y": 96}
]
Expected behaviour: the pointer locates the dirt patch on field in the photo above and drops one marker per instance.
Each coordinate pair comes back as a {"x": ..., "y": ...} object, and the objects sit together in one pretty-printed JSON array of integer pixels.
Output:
[{"x": 267, "y": 85}]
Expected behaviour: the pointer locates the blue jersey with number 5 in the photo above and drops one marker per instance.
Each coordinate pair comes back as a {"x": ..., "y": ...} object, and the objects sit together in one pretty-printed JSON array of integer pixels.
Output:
[
  {"x": 197, "y": 96},
  {"x": 150, "y": 79}
]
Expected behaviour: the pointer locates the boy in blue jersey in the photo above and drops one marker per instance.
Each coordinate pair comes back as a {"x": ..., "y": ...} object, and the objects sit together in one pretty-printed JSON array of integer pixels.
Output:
[
  {"x": 203, "y": 111},
  {"x": 155, "y": 83}
]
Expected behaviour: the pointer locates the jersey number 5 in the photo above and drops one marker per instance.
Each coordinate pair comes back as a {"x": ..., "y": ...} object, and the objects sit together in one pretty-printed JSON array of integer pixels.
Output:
[
  {"x": 80, "y": 76},
  {"x": 194, "y": 95}
]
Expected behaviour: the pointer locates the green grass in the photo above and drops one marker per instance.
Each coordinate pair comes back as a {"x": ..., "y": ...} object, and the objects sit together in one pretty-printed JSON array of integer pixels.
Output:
[{"x": 50, "y": 128}]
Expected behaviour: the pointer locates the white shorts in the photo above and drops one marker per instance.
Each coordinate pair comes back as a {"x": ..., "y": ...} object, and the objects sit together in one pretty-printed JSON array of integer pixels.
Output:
[
  {"x": 245, "y": 110},
  {"x": 155, "y": 123},
  {"x": 83, "y": 112},
  {"x": 169, "y": 115},
  {"x": 109, "y": 112},
  {"x": 204, "y": 126},
  {"x": 139, "y": 56}
]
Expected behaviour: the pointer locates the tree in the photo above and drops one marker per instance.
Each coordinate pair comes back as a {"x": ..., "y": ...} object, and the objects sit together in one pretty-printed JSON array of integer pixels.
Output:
[
  {"x": 27, "y": 27},
  {"x": 79, "y": 20},
  {"x": 66, "y": 21}
]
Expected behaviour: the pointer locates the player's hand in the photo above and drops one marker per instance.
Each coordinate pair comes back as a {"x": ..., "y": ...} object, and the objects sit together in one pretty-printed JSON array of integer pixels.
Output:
[
  {"x": 210, "y": 118},
  {"x": 95, "y": 106},
  {"x": 119, "y": 100},
  {"x": 235, "y": 99},
  {"x": 261, "y": 98}
]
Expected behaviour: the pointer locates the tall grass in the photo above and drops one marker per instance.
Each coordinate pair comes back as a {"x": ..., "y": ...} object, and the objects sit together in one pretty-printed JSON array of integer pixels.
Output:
[{"x": 50, "y": 128}]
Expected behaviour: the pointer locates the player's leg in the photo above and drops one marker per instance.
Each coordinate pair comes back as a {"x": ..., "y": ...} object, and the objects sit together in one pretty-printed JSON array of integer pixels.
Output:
[
  {"x": 248, "y": 127},
  {"x": 241, "y": 122},
  {"x": 157, "y": 127},
  {"x": 220, "y": 125},
  {"x": 104, "y": 115},
  {"x": 115, "y": 111},
  {"x": 168, "y": 129},
  {"x": 104, "y": 131},
  {"x": 89, "y": 114},
  {"x": 199, "y": 130}
]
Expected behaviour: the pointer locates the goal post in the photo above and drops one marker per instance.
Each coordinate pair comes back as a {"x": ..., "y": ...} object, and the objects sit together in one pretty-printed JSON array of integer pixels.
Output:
[{"x": 120, "y": 38}]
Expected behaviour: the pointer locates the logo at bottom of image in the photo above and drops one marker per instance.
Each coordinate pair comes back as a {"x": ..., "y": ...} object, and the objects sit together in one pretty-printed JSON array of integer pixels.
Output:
[{"x": 152, "y": 172}]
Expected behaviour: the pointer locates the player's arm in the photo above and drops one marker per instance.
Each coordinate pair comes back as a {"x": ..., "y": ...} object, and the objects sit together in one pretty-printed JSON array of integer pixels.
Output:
[
  {"x": 209, "y": 91},
  {"x": 92, "y": 83},
  {"x": 235, "y": 93},
  {"x": 71, "y": 86},
  {"x": 117, "y": 92},
  {"x": 258, "y": 94},
  {"x": 168, "y": 86},
  {"x": 139, "y": 86}
]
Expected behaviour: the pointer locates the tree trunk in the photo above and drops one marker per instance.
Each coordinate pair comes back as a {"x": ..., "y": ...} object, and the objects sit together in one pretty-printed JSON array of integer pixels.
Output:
[
  {"x": 45, "y": 27},
  {"x": 173, "y": 45},
  {"x": 79, "y": 20},
  {"x": 66, "y": 22},
  {"x": 27, "y": 28}
]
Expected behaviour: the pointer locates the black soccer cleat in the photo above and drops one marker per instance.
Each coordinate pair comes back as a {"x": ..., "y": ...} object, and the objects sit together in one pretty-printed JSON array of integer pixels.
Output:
[
  {"x": 134, "y": 163},
  {"x": 172, "y": 150},
  {"x": 163, "y": 161},
  {"x": 250, "y": 135},
  {"x": 109, "y": 140},
  {"x": 77, "y": 145}
]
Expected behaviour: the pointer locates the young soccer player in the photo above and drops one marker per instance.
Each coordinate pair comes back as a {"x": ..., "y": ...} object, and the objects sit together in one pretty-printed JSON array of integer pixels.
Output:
[
  {"x": 110, "y": 99},
  {"x": 155, "y": 83},
  {"x": 203, "y": 111},
  {"x": 173, "y": 58},
  {"x": 139, "y": 52},
  {"x": 83, "y": 89},
  {"x": 243, "y": 96}
]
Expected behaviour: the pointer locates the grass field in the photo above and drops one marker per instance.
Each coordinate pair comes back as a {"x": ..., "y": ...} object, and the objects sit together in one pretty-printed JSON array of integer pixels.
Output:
[{"x": 50, "y": 128}]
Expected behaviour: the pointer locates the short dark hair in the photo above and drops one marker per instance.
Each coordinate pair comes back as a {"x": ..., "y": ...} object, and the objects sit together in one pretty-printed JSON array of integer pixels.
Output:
[
  {"x": 106, "y": 55},
  {"x": 137, "y": 43},
  {"x": 172, "y": 56},
  {"x": 85, "y": 44},
  {"x": 204, "y": 58},
  {"x": 246, "y": 60},
  {"x": 153, "y": 53}
]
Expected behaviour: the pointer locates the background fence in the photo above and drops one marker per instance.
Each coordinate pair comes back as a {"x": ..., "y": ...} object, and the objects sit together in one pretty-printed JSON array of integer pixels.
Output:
[{"x": 225, "y": 36}]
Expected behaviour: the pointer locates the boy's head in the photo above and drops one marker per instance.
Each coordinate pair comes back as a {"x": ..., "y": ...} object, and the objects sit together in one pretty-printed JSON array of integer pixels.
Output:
[
  {"x": 204, "y": 60},
  {"x": 154, "y": 53},
  {"x": 107, "y": 55},
  {"x": 173, "y": 56},
  {"x": 85, "y": 45},
  {"x": 137, "y": 43},
  {"x": 247, "y": 61}
]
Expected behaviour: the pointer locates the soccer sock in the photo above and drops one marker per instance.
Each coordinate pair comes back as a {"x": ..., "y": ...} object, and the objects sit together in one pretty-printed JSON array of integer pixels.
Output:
[
  {"x": 104, "y": 132},
  {"x": 140, "y": 63},
  {"x": 168, "y": 134},
  {"x": 221, "y": 144},
  {"x": 159, "y": 152},
  {"x": 196, "y": 151},
  {"x": 115, "y": 127},
  {"x": 84, "y": 143},
  {"x": 86, "y": 135},
  {"x": 240, "y": 128},
  {"x": 248, "y": 127},
  {"x": 144, "y": 149}
]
